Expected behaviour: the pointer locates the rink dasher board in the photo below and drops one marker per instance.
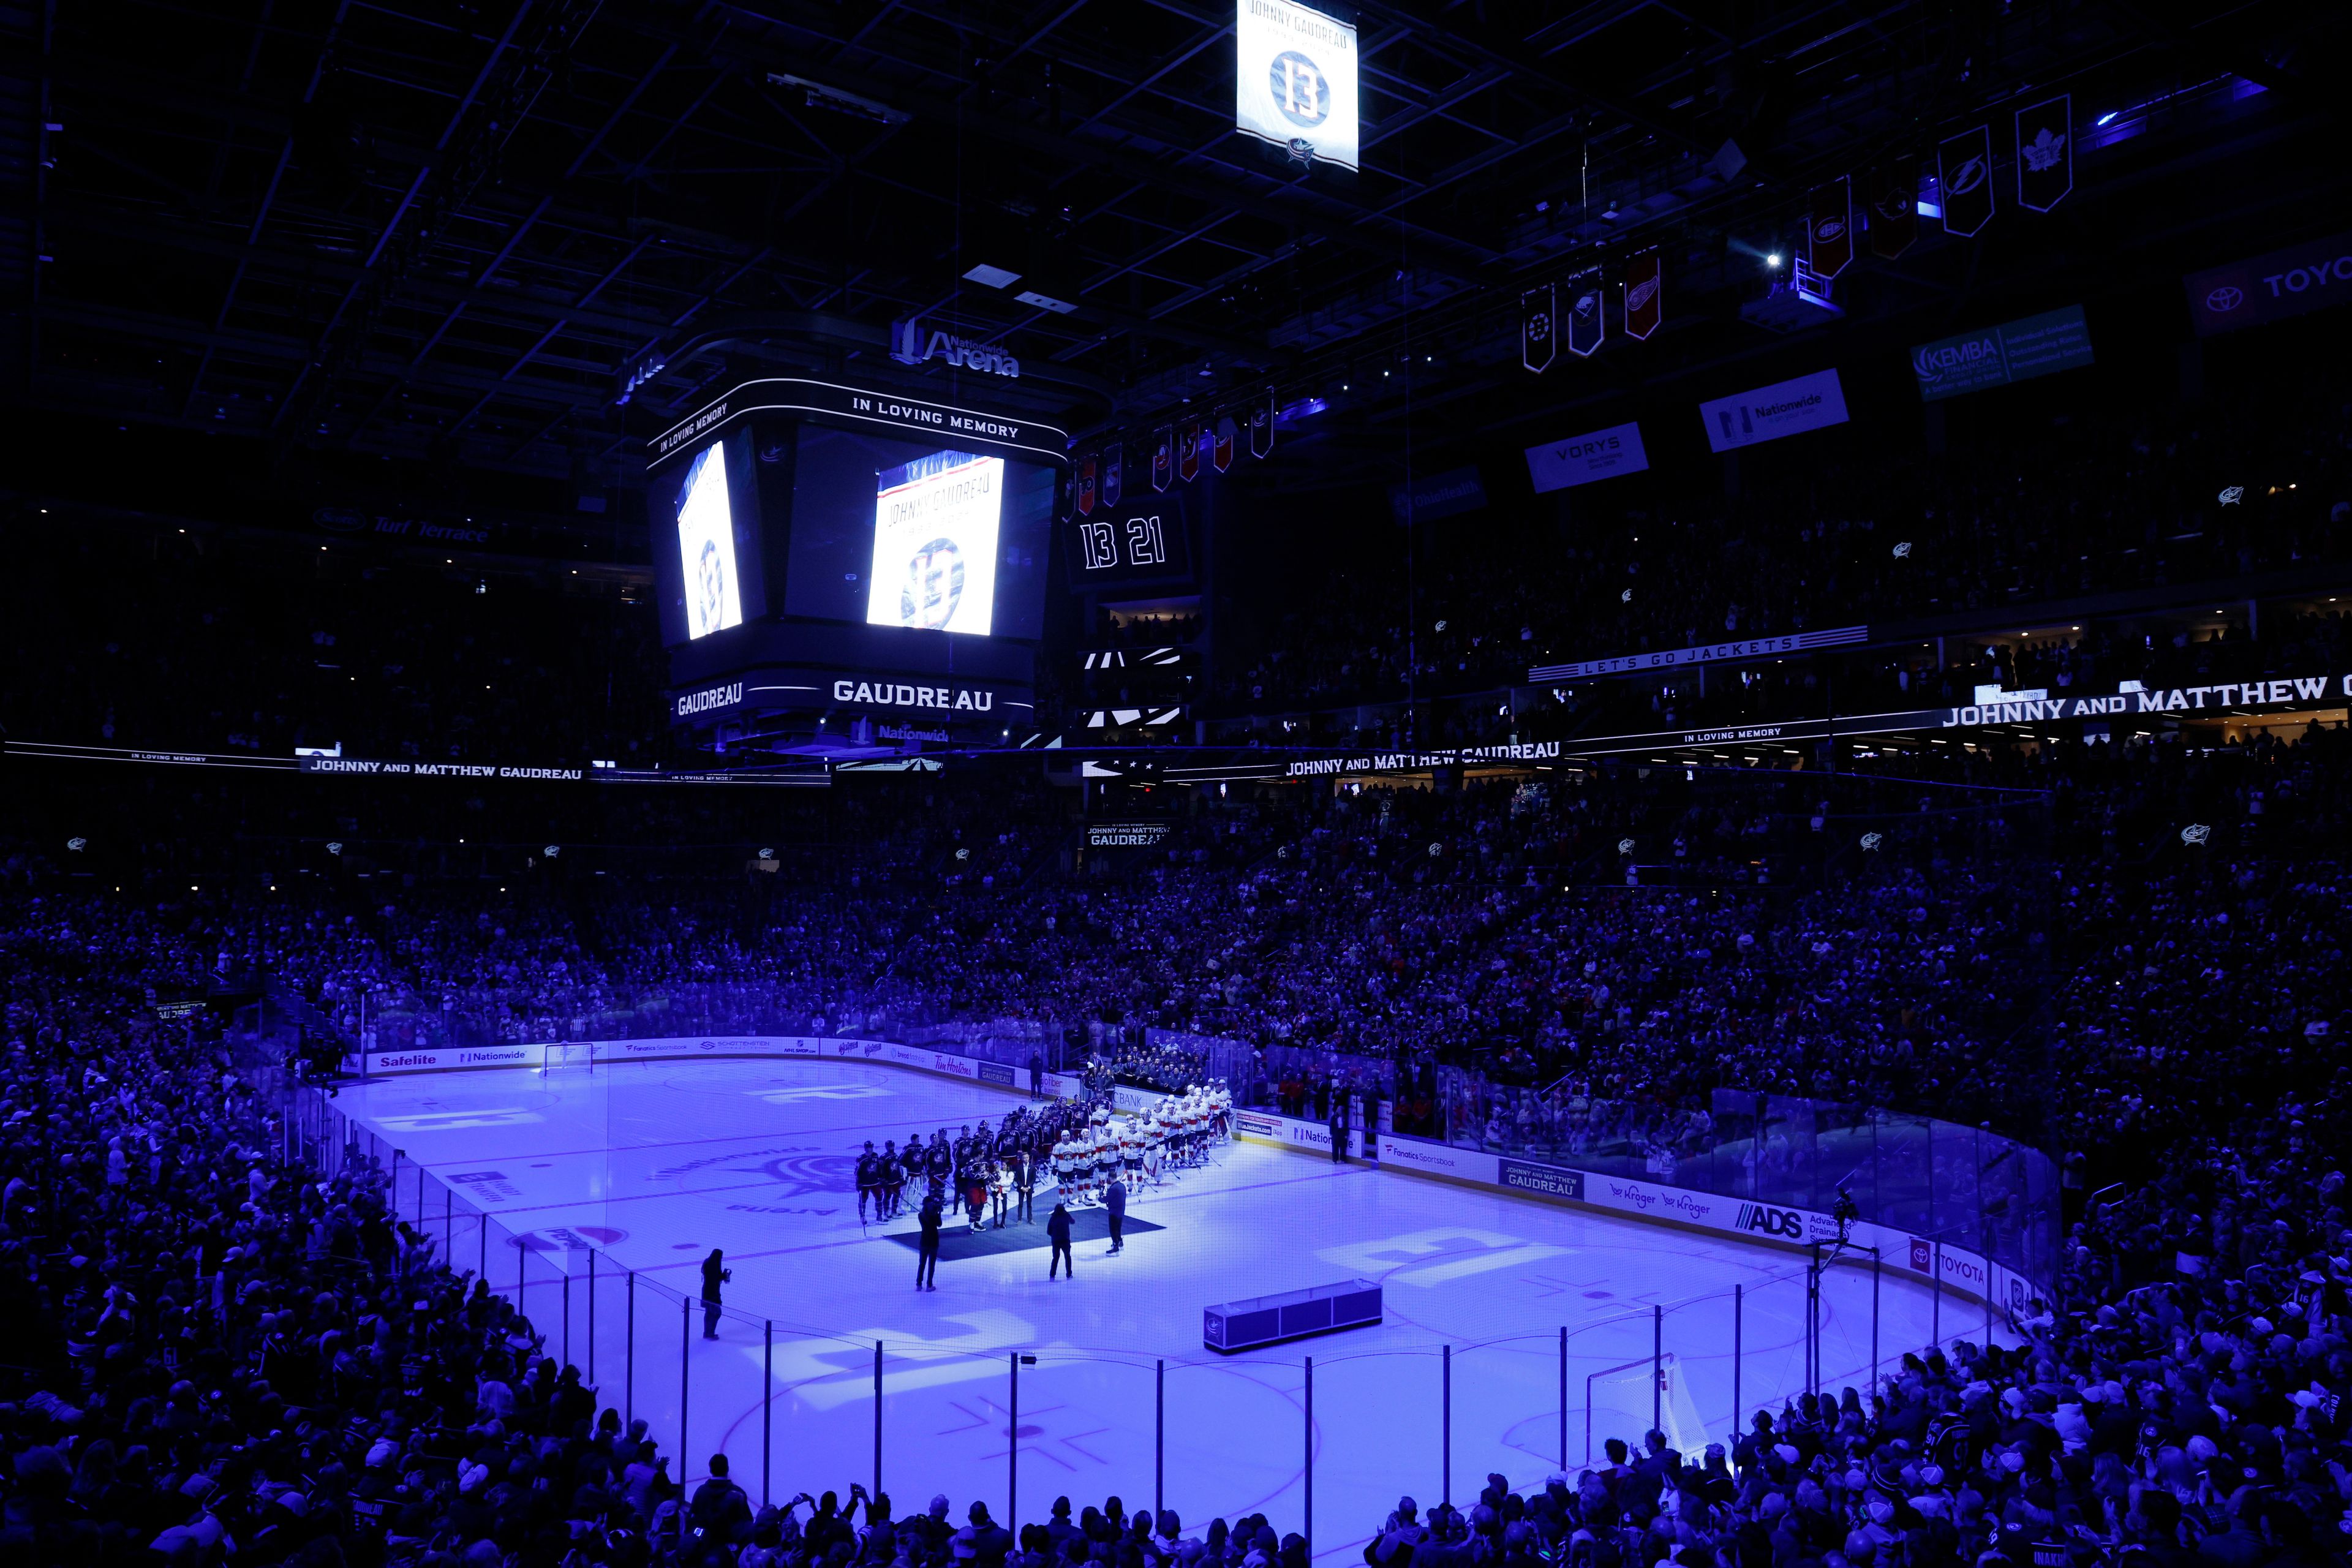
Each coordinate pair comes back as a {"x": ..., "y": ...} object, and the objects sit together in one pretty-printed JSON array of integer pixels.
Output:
[
  {"x": 712, "y": 1047},
  {"x": 1899, "y": 1253}
]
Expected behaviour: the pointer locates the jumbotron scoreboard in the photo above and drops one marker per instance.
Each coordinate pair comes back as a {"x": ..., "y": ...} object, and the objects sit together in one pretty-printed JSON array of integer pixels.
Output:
[{"x": 876, "y": 562}]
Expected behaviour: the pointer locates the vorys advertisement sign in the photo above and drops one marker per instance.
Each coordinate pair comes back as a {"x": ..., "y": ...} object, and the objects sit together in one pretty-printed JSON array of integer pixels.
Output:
[
  {"x": 1995, "y": 356},
  {"x": 2270, "y": 287},
  {"x": 1580, "y": 459}
]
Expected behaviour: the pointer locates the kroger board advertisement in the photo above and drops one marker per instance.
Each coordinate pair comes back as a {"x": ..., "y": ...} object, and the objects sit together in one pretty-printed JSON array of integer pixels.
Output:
[
  {"x": 1995, "y": 356},
  {"x": 1957, "y": 1269},
  {"x": 1580, "y": 459},
  {"x": 1294, "y": 80},
  {"x": 1811, "y": 402}
]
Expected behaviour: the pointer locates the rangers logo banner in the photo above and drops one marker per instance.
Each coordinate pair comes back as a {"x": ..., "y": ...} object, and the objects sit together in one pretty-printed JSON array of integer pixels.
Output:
[
  {"x": 1894, "y": 207},
  {"x": 1538, "y": 313},
  {"x": 1188, "y": 451},
  {"x": 1588, "y": 314},
  {"x": 1829, "y": 232},
  {"x": 1163, "y": 456},
  {"x": 1086, "y": 485},
  {"x": 1261, "y": 427},
  {"x": 1221, "y": 453},
  {"x": 1114, "y": 461},
  {"x": 1645, "y": 295},
  {"x": 2045, "y": 152},
  {"x": 1964, "y": 179}
]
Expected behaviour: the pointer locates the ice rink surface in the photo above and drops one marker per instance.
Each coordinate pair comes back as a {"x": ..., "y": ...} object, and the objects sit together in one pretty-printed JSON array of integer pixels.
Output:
[{"x": 649, "y": 1165}]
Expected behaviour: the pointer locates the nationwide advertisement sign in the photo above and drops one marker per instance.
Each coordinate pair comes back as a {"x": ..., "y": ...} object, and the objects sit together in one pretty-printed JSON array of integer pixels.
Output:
[
  {"x": 2270, "y": 287},
  {"x": 1580, "y": 459},
  {"x": 1995, "y": 356},
  {"x": 1767, "y": 414}
]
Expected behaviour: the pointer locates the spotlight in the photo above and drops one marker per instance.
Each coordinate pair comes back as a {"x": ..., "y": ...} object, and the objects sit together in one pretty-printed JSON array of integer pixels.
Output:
[{"x": 1773, "y": 260}]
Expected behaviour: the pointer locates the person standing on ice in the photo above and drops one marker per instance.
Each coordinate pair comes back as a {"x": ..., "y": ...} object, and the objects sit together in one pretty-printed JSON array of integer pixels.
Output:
[
  {"x": 715, "y": 1273},
  {"x": 1057, "y": 1231}
]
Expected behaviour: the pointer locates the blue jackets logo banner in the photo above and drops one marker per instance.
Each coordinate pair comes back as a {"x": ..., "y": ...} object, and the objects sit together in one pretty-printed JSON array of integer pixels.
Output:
[
  {"x": 1964, "y": 179},
  {"x": 2045, "y": 153}
]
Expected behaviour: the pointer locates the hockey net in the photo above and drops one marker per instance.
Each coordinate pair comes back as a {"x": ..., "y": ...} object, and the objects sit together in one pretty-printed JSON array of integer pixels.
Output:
[
  {"x": 1618, "y": 1403},
  {"x": 574, "y": 1055}
]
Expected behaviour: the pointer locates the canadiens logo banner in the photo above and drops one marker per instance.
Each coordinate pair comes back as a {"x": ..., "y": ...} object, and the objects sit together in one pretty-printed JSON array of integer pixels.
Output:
[
  {"x": 1894, "y": 207},
  {"x": 1588, "y": 314},
  {"x": 2045, "y": 153},
  {"x": 1964, "y": 178},
  {"x": 1539, "y": 314},
  {"x": 1645, "y": 295},
  {"x": 1830, "y": 231}
]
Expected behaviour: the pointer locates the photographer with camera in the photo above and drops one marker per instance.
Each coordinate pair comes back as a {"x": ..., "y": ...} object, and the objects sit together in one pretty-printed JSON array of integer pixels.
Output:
[{"x": 715, "y": 1273}]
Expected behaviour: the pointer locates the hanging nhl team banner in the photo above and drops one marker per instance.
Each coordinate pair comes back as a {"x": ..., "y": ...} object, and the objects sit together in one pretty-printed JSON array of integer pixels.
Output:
[
  {"x": 1221, "y": 453},
  {"x": 1086, "y": 485},
  {"x": 1580, "y": 459},
  {"x": 1261, "y": 427},
  {"x": 1645, "y": 295},
  {"x": 1964, "y": 178},
  {"x": 2271, "y": 286},
  {"x": 1294, "y": 80},
  {"x": 1188, "y": 451},
  {"x": 1587, "y": 313},
  {"x": 1538, "y": 312},
  {"x": 1784, "y": 408},
  {"x": 1114, "y": 461},
  {"x": 1163, "y": 456},
  {"x": 2045, "y": 152},
  {"x": 1894, "y": 206},
  {"x": 1830, "y": 231}
]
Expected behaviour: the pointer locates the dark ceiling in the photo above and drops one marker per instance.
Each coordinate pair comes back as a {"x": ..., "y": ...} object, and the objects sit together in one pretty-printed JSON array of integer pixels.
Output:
[{"x": 449, "y": 232}]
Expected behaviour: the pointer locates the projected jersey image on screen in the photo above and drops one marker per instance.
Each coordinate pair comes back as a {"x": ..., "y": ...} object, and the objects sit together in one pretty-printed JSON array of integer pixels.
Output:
[
  {"x": 935, "y": 528},
  {"x": 705, "y": 546}
]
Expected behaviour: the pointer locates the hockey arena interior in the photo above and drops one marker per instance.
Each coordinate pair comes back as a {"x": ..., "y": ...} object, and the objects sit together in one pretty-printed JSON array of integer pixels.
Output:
[{"x": 1207, "y": 784}]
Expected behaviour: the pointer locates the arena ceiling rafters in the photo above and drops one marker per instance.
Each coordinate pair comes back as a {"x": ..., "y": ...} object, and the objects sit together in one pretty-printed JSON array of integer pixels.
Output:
[{"x": 455, "y": 233}]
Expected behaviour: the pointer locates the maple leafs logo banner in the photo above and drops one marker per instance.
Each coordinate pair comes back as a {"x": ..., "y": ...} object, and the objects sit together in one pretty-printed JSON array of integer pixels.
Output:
[{"x": 2045, "y": 153}]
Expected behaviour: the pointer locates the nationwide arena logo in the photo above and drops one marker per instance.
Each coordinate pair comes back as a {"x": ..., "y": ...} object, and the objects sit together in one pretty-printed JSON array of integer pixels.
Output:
[{"x": 910, "y": 345}]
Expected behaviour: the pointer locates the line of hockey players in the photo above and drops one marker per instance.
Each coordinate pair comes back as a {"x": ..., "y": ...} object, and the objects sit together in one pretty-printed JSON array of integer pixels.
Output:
[
  {"x": 1149, "y": 1146},
  {"x": 1077, "y": 1148}
]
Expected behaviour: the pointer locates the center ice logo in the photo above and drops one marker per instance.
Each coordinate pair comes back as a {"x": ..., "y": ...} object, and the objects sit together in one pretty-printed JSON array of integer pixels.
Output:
[{"x": 796, "y": 1173}]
